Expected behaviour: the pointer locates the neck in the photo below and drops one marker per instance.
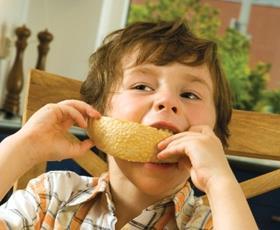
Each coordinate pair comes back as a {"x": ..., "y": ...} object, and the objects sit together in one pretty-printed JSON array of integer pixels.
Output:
[{"x": 127, "y": 197}]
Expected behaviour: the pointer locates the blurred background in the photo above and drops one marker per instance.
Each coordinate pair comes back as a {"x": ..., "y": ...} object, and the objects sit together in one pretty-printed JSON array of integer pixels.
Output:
[
  {"x": 246, "y": 31},
  {"x": 77, "y": 28},
  {"x": 248, "y": 37}
]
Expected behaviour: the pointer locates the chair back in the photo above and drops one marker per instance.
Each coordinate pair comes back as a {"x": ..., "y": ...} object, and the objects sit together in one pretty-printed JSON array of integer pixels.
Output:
[{"x": 253, "y": 134}]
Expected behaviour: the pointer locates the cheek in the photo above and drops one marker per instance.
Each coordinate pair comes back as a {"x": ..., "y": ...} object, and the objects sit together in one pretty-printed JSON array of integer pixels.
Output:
[
  {"x": 125, "y": 107},
  {"x": 212, "y": 115},
  {"x": 209, "y": 116},
  {"x": 205, "y": 115}
]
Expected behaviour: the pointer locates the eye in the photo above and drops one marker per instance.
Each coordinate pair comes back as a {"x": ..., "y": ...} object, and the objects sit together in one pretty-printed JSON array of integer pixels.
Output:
[
  {"x": 189, "y": 95},
  {"x": 142, "y": 87}
]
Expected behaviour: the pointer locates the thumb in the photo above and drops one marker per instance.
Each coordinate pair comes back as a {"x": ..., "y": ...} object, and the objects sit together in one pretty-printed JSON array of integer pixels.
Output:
[{"x": 86, "y": 145}]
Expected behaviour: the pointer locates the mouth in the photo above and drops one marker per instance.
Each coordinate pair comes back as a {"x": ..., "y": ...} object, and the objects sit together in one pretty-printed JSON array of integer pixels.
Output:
[
  {"x": 166, "y": 126},
  {"x": 160, "y": 165}
]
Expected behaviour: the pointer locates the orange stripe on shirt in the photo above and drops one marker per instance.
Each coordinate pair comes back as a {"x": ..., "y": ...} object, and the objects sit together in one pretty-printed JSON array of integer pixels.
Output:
[
  {"x": 208, "y": 223},
  {"x": 3, "y": 225},
  {"x": 163, "y": 220},
  {"x": 49, "y": 220},
  {"x": 80, "y": 215},
  {"x": 180, "y": 198},
  {"x": 40, "y": 189}
]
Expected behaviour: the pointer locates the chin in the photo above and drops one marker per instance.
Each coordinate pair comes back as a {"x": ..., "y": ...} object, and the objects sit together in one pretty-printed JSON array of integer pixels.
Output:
[
  {"x": 157, "y": 187},
  {"x": 151, "y": 179}
]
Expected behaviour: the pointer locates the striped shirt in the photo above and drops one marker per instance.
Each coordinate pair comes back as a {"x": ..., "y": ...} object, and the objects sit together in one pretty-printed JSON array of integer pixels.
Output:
[{"x": 65, "y": 200}]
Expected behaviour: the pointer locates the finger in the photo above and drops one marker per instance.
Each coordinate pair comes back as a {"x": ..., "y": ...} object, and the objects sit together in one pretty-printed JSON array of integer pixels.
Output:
[
  {"x": 81, "y": 148},
  {"x": 83, "y": 107},
  {"x": 70, "y": 115},
  {"x": 170, "y": 151},
  {"x": 182, "y": 141},
  {"x": 78, "y": 147},
  {"x": 161, "y": 145},
  {"x": 86, "y": 145}
]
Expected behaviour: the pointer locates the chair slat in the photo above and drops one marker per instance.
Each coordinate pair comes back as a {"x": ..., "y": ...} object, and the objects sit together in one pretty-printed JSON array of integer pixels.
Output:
[
  {"x": 258, "y": 185},
  {"x": 255, "y": 134},
  {"x": 44, "y": 88}
]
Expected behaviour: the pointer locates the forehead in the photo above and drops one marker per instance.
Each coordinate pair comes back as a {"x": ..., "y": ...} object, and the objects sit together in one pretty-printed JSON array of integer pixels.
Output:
[
  {"x": 134, "y": 57},
  {"x": 198, "y": 74}
]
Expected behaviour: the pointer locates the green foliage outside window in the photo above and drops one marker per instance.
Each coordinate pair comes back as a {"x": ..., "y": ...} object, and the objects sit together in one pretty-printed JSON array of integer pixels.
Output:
[{"x": 248, "y": 85}]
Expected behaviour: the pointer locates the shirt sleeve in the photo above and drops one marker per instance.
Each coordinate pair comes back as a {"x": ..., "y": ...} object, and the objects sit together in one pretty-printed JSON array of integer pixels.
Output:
[
  {"x": 37, "y": 206},
  {"x": 23, "y": 210}
]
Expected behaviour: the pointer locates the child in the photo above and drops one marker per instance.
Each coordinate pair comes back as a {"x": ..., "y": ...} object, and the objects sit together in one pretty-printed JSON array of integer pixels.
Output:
[{"x": 157, "y": 74}]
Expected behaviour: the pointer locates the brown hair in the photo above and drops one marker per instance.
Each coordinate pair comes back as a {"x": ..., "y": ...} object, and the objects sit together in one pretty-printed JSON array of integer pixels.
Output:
[{"x": 160, "y": 44}]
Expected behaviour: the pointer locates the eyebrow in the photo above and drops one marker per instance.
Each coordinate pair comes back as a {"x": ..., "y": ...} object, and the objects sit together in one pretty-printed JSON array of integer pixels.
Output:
[
  {"x": 193, "y": 78},
  {"x": 188, "y": 76}
]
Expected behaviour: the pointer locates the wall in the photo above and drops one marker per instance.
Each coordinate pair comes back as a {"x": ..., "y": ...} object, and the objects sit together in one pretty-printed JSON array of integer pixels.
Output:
[
  {"x": 77, "y": 26},
  {"x": 263, "y": 30}
]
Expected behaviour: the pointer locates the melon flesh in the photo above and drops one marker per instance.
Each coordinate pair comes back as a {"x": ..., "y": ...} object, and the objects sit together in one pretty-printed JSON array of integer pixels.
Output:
[{"x": 127, "y": 140}]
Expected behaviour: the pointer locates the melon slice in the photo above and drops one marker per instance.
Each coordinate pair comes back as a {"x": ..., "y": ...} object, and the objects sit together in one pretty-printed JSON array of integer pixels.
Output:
[{"x": 127, "y": 140}]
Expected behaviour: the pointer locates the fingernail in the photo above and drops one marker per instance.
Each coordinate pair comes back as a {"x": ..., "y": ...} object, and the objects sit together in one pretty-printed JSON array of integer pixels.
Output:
[
  {"x": 161, "y": 145},
  {"x": 160, "y": 155},
  {"x": 91, "y": 113}
]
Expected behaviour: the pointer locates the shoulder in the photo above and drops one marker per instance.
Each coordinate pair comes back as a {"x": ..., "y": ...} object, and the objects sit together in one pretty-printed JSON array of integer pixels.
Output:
[
  {"x": 63, "y": 184},
  {"x": 45, "y": 196}
]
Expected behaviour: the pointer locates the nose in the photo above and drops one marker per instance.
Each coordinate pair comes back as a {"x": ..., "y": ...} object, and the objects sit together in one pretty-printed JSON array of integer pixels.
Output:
[
  {"x": 162, "y": 107},
  {"x": 166, "y": 102}
]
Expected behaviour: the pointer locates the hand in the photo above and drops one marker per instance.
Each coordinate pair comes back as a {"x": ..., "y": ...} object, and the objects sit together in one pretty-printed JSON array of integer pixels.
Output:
[
  {"x": 202, "y": 154},
  {"x": 47, "y": 134}
]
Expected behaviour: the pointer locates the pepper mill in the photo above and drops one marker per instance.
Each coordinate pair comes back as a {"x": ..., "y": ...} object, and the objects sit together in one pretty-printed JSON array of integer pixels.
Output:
[
  {"x": 15, "y": 78},
  {"x": 45, "y": 38}
]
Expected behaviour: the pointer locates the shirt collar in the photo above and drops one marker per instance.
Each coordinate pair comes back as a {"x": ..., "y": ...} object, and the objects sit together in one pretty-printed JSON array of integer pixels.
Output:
[
  {"x": 184, "y": 201},
  {"x": 97, "y": 185}
]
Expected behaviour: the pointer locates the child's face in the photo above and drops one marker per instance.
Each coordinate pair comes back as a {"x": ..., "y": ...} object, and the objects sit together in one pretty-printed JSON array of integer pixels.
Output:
[{"x": 175, "y": 97}]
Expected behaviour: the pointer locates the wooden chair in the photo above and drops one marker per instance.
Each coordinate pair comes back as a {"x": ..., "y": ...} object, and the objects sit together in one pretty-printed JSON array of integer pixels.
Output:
[{"x": 253, "y": 134}]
